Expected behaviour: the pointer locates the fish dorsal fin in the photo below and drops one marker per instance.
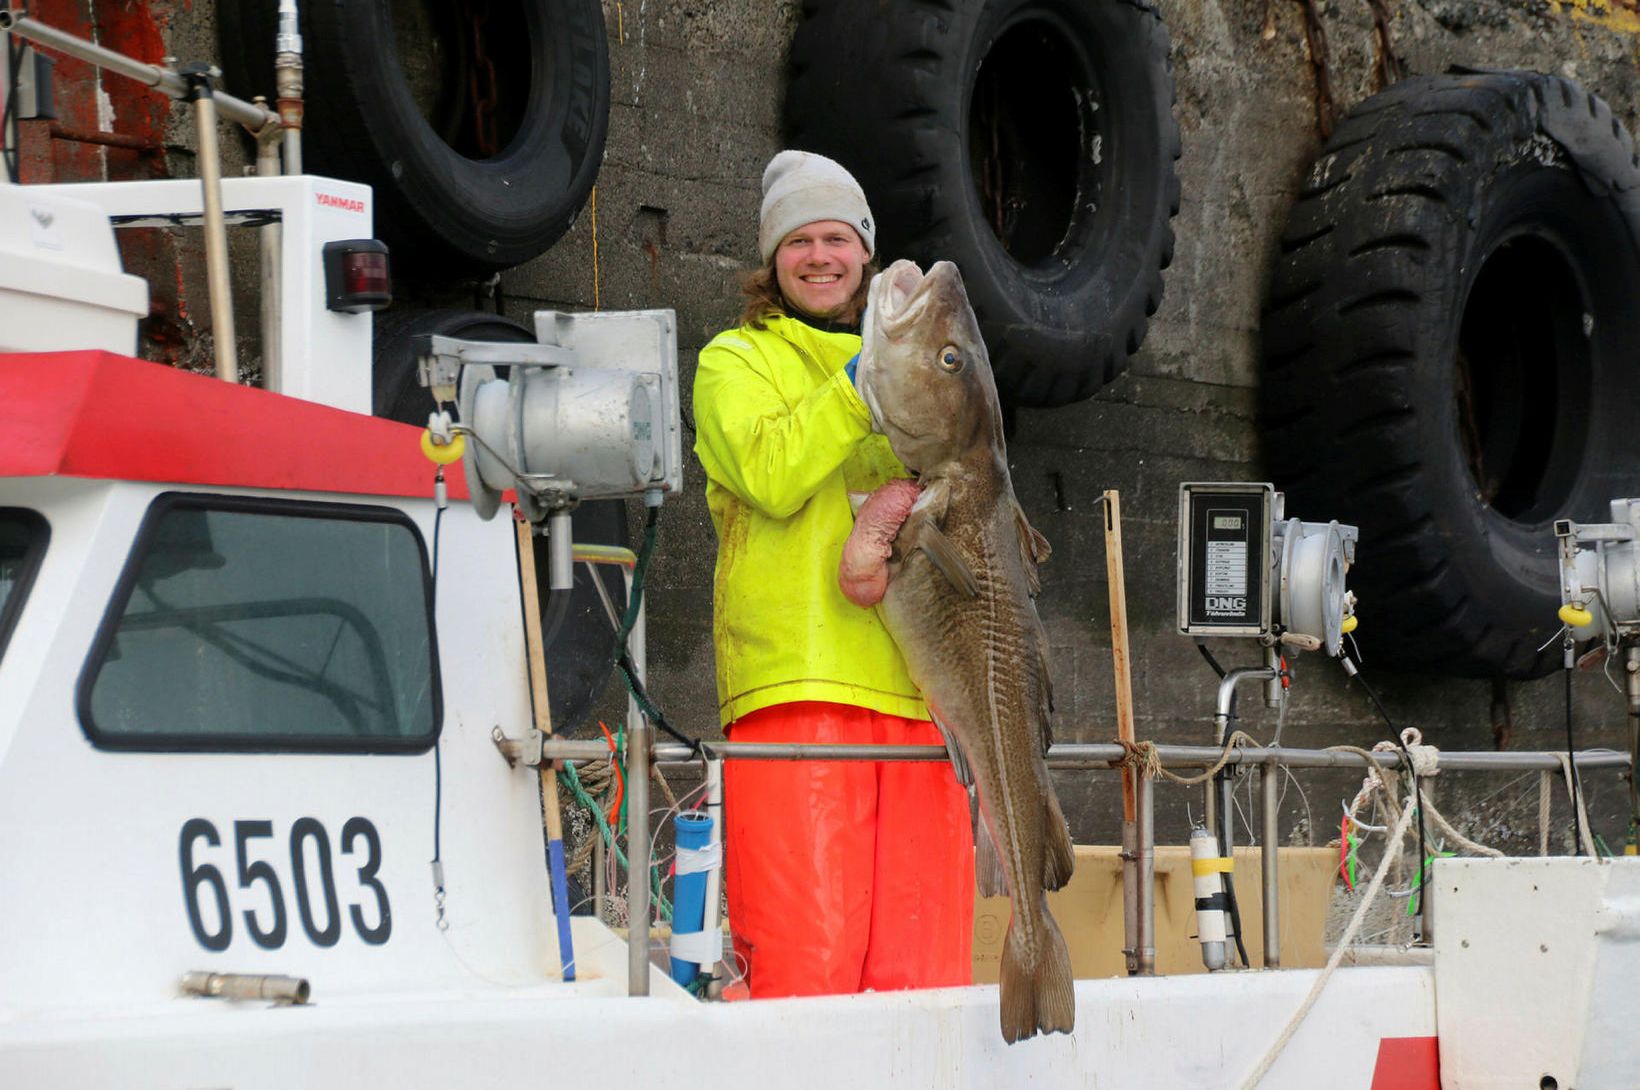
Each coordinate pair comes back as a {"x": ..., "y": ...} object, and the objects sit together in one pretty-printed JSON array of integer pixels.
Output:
[{"x": 1033, "y": 549}]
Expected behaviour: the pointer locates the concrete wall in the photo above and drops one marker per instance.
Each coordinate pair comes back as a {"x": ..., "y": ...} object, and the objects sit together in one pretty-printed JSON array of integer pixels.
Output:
[{"x": 697, "y": 90}]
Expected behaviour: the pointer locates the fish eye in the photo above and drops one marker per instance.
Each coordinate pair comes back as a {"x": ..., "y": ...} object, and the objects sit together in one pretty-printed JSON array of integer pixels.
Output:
[{"x": 950, "y": 359}]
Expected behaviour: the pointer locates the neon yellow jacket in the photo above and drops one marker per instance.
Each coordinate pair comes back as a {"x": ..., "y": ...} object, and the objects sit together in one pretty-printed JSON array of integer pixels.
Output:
[{"x": 784, "y": 439}]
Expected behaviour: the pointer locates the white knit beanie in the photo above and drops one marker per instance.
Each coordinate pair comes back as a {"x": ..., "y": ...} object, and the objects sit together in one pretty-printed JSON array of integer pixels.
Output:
[{"x": 800, "y": 187}]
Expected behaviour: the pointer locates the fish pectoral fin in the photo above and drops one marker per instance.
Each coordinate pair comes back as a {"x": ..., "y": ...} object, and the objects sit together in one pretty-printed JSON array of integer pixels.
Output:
[
  {"x": 988, "y": 872},
  {"x": 1059, "y": 855},
  {"x": 959, "y": 760},
  {"x": 947, "y": 560}
]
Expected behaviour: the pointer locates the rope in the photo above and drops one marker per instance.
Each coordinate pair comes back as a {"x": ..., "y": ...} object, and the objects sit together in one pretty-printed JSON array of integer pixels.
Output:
[
  {"x": 1426, "y": 762},
  {"x": 1142, "y": 756},
  {"x": 1390, "y": 855},
  {"x": 1545, "y": 786},
  {"x": 1456, "y": 837},
  {"x": 1575, "y": 790}
]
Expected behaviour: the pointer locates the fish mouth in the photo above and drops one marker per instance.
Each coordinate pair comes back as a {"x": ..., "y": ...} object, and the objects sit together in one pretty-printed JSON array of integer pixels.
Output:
[
  {"x": 898, "y": 296},
  {"x": 897, "y": 300},
  {"x": 893, "y": 303}
]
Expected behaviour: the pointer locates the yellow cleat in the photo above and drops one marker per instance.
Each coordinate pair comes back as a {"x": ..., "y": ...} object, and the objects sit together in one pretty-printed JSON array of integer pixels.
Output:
[
  {"x": 443, "y": 453},
  {"x": 1574, "y": 617}
]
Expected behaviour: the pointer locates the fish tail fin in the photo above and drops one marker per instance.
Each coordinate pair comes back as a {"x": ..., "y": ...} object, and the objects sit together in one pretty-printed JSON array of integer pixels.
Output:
[{"x": 1038, "y": 996}]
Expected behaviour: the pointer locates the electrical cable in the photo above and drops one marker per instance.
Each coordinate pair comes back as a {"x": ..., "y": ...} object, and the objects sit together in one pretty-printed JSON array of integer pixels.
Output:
[
  {"x": 14, "y": 58},
  {"x": 438, "y": 760},
  {"x": 623, "y": 654},
  {"x": 1201, "y": 645}
]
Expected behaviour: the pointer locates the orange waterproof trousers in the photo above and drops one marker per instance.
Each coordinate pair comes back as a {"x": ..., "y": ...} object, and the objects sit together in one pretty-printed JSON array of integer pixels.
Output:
[{"x": 844, "y": 876}]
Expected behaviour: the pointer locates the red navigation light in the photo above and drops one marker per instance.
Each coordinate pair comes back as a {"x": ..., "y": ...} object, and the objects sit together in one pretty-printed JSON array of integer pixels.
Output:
[{"x": 357, "y": 277}]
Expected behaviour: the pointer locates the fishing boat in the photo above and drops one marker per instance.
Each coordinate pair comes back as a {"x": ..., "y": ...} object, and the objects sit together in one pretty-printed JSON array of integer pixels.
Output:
[{"x": 271, "y": 756}]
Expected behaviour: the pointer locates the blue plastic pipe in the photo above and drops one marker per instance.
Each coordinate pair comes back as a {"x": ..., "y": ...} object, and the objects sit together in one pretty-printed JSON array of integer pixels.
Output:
[
  {"x": 692, "y": 831},
  {"x": 561, "y": 905}
]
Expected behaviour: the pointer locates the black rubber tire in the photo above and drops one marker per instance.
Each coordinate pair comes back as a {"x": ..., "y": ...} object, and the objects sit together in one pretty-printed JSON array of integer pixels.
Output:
[
  {"x": 580, "y": 643},
  {"x": 1450, "y": 351},
  {"x": 1071, "y": 103},
  {"x": 446, "y": 205}
]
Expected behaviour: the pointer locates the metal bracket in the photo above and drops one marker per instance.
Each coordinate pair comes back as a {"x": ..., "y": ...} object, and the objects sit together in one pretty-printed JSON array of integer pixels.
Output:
[
  {"x": 439, "y": 359},
  {"x": 520, "y": 751}
]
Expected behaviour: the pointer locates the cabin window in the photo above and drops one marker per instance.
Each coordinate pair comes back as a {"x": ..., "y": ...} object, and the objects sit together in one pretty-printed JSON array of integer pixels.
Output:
[
  {"x": 267, "y": 625},
  {"x": 22, "y": 543}
]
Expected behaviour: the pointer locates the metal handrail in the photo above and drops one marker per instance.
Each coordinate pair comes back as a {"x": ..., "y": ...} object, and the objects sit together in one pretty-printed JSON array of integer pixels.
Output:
[
  {"x": 1102, "y": 755},
  {"x": 252, "y": 116},
  {"x": 1078, "y": 755}
]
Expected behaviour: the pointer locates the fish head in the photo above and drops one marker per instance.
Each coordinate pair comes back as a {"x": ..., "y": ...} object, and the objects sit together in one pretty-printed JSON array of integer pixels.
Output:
[{"x": 924, "y": 373}]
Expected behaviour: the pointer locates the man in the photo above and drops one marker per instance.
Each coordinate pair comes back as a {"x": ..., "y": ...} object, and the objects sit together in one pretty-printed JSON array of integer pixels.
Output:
[{"x": 841, "y": 876}]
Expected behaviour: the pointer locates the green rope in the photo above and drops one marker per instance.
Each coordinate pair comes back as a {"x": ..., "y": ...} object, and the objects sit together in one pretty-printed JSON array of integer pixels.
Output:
[{"x": 567, "y": 776}]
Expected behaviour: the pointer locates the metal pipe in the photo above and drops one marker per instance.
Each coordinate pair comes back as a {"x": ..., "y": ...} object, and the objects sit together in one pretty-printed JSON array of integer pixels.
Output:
[
  {"x": 287, "y": 78},
  {"x": 1102, "y": 755},
  {"x": 1145, "y": 802},
  {"x": 275, "y": 989},
  {"x": 1217, "y": 793},
  {"x": 639, "y": 739},
  {"x": 140, "y": 144},
  {"x": 561, "y": 550},
  {"x": 1227, "y": 690},
  {"x": 216, "y": 231},
  {"x": 1270, "y": 851},
  {"x": 1130, "y": 891},
  {"x": 149, "y": 75},
  {"x": 1274, "y": 693},
  {"x": 714, "y": 877}
]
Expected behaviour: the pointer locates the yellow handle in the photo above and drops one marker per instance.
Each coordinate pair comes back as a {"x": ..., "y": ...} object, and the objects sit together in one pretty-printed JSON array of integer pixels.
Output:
[
  {"x": 1576, "y": 618},
  {"x": 443, "y": 453},
  {"x": 1351, "y": 623}
]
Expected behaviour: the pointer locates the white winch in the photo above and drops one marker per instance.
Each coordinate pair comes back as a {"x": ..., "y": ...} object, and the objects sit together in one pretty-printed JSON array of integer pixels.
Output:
[{"x": 589, "y": 411}]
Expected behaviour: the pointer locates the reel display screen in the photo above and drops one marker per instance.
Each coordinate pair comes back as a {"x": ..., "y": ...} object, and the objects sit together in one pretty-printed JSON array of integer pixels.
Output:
[{"x": 1224, "y": 553}]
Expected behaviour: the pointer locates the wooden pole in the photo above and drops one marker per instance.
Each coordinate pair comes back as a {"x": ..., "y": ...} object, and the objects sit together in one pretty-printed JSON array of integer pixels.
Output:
[
  {"x": 535, "y": 653},
  {"x": 1119, "y": 640}
]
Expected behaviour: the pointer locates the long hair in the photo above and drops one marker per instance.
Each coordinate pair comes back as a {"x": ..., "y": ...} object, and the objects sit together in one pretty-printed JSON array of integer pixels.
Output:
[{"x": 764, "y": 299}]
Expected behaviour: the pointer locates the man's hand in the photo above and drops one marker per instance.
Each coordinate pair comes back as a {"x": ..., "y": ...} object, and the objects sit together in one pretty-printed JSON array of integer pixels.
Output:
[{"x": 863, "y": 573}]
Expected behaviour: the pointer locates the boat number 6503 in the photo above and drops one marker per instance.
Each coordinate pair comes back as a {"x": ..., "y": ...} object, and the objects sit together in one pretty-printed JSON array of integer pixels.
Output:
[{"x": 313, "y": 879}]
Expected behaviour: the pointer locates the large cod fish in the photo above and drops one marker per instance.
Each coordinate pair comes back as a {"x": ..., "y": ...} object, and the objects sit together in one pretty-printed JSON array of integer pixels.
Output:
[{"x": 961, "y": 575}]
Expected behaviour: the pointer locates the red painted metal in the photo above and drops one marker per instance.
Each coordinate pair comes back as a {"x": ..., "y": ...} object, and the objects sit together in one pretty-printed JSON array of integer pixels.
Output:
[
  {"x": 1408, "y": 1063},
  {"x": 98, "y": 415}
]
